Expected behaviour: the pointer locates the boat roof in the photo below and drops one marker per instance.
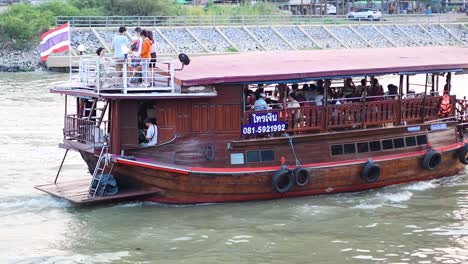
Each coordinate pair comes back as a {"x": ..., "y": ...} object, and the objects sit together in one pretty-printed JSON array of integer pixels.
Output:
[{"x": 306, "y": 65}]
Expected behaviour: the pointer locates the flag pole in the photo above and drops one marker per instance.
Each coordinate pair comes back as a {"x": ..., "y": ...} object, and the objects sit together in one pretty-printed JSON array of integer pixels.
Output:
[{"x": 70, "y": 53}]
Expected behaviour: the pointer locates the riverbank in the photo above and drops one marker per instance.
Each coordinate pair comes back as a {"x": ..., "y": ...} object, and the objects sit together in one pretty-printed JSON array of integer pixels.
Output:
[
  {"x": 225, "y": 39},
  {"x": 20, "y": 60}
]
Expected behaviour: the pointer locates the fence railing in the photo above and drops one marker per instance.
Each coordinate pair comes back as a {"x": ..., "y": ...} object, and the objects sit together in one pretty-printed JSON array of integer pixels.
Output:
[
  {"x": 124, "y": 75},
  {"x": 84, "y": 130},
  {"x": 379, "y": 111},
  {"x": 170, "y": 21}
]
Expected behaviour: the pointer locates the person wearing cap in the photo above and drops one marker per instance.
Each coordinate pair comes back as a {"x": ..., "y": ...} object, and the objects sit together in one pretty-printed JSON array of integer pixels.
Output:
[{"x": 260, "y": 103}]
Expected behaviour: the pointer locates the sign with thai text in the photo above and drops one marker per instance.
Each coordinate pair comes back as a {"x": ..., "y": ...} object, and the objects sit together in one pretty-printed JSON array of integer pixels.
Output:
[{"x": 263, "y": 123}]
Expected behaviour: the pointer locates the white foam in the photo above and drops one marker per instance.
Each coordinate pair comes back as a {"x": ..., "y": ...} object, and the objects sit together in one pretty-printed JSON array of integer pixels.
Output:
[
  {"x": 182, "y": 239},
  {"x": 420, "y": 186}
]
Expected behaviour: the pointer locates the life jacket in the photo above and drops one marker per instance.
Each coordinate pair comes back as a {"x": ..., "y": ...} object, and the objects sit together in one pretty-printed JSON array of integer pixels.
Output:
[{"x": 445, "y": 106}]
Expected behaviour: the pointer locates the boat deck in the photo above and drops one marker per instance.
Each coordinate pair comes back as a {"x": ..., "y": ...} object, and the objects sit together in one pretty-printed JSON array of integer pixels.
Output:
[{"x": 77, "y": 192}]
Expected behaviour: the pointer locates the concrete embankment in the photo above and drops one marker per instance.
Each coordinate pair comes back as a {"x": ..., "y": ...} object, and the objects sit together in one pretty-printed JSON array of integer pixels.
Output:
[{"x": 221, "y": 39}]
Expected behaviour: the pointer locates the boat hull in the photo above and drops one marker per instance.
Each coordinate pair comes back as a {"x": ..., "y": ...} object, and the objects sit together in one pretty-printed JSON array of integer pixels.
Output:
[{"x": 204, "y": 185}]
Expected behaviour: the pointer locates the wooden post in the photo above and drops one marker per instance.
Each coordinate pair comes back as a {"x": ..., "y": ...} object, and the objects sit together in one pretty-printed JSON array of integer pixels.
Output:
[
  {"x": 400, "y": 101},
  {"x": 325, "y": 109},
  {"x": 449, "y": 81},
  {"x": 407, "y": 84},
  {"x": 423, "y": 108}
]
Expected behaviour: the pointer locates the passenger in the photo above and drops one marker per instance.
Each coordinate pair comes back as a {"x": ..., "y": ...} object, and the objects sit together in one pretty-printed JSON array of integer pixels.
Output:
[
  {"x": 362, "y": 87},
  {"x": 120, "y": 45},
  {"x": 145, "y": 57},
  {"x": 411, "y": 94},
  {"x": 151, "y": 133},
  {"x": 296, "y": 113},
  {"x": 331, "y": 91},
  {"x": 298, "y": 93},
  {"x": 152, "y": 64},
  {"x": 392, "y": 92},
  {"x": 249, "y": 98},
  {"x": 292, "y": 101},
  {"x": 376, "y": 90},
  {"x": 260, "y": 103},
  {"x": 319, "y": 97},
  {"x": 102, "y": 61},
  {"x": 259, "y": 91},
  {"x": 136, "y": 47},
  {"x": 283, "y": 91},
  {"x": 349, "y": 87}
]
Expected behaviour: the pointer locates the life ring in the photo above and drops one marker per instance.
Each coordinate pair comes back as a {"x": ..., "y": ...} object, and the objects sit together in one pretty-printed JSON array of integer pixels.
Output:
[
  {"x": 283, "y": 180},
  {"x": 462, "y": 154},
  {"x": 432, "y": 160},
  {"x": 301, "y": 176},
  {"x": 371, "y": 172}
]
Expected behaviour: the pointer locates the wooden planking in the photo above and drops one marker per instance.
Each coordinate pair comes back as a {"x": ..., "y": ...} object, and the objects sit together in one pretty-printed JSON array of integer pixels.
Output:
[
  {"x": 77, "y": 192},
  {"x": 324, "y": 180}
]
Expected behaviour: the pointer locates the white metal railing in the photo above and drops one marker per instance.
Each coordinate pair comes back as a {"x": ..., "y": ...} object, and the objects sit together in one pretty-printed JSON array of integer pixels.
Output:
[
  {"x": 102, "y": 74},
  {"x": 161, "y": 21}
]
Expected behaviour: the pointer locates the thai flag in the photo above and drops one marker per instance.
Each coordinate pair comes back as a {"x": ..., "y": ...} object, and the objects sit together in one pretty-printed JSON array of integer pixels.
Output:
[{"x": 55, "y": 40}]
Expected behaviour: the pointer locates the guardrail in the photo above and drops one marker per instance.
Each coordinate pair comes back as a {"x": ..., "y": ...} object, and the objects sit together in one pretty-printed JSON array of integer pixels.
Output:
[
  {"x": 84, "y": 130},
  {"x": 125, "y": 75},
  {"x": 161, "y": 21}
]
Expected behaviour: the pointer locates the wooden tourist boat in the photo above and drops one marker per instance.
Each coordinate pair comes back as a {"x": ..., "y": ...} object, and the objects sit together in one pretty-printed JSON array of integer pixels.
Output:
[{"x": 214, "y": 147}]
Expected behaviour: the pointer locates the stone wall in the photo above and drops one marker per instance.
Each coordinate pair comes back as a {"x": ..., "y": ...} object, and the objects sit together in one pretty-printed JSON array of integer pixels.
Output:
[{"x": 207, "y": 40}]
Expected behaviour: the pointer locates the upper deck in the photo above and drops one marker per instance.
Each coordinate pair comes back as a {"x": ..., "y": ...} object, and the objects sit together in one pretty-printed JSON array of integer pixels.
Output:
[{"x": 261, "y": 67}]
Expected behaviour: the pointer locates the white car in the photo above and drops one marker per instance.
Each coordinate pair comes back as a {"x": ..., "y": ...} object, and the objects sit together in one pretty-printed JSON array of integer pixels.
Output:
[{"x": 365, "y": 14}]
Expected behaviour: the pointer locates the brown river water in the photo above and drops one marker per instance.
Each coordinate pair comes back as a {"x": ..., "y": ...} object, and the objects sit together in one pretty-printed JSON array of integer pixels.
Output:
[{"x": 423, "y": 222}]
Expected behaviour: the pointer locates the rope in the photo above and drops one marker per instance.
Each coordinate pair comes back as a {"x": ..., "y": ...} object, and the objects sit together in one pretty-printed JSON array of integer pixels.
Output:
[{"x": 292, "y": 148}]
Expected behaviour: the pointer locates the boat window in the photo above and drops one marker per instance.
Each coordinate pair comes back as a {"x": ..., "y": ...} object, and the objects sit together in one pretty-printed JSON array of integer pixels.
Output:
[
  {"x": 374, "y": 146},
  {"x": 336, "y": 150},
  {"x": 349, "y": 148},
  {"x": 422, "y": 139},
  {"x": 398, "y": 143},
  {"x": 410, "y": 141},
  {"x": 237, "y": 158},
  {"x": 260, "y": 156},
  {"x": 253, "y": 156},
  {"x": 363, "y": 147},
  {"x": 268, "y": 155},
  {"x": 387, "y": 144}
]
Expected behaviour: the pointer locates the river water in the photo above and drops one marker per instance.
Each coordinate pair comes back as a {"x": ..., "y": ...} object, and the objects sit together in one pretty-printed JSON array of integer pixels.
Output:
[{"x": 424, "y": 222}]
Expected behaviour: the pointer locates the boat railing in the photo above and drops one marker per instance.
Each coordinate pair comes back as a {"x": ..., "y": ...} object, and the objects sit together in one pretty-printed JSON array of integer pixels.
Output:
[
  {"x": 377, "y": 111},
  {"x": 85, "y": 131},
  {"x": 106, "y": 74}
]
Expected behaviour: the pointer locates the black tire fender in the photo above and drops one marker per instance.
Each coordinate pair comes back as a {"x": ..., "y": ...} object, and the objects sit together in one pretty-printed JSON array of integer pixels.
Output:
[
  {"x": 301, "y": 176},
  {"x": 432, "y": 160},
  {"x": 283, "y": 180},
  {"x": 462, "y": 154},
  {"x": 370, "y": 172}
]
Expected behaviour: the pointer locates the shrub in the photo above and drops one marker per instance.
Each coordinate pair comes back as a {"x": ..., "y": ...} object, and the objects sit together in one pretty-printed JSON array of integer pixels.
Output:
[{"x": 22, "y": 25}]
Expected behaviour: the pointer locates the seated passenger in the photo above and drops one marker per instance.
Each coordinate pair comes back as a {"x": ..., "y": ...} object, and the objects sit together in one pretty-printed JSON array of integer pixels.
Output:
[
  {"x": 411, "y": 94},
  {"x": 376, "y": 90},
  {"x": 349, "y": 87},
  {"x": 260, "y": 103},
  {"x": 319, "y": 97},
  {"x": 392, "y": 92},
  {"x": 360, "y": 89},
  {"x": 151, "y": 134}
]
